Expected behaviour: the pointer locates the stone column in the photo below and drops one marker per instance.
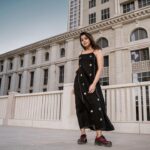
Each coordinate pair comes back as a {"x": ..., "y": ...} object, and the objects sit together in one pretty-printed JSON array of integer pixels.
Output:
[
  {"x": 118, "y": 35},
  {"x": 68, "y": 72},
  {"x": 14, "y": 75},
  {"x": 52, "y": 68},
  {"x": 3, "y": 85},
  {"x": 38, "y": 71},
  {"x": 117, "y": 7},
  {"x": 24, "y": 84}
]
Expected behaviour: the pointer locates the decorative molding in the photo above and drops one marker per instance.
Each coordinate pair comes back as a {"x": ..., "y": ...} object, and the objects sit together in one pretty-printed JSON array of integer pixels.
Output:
[{"x": 103, "y": 25}]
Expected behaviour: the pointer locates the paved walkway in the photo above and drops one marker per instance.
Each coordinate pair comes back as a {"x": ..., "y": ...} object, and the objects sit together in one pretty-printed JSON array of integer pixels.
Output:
[{"x": 20, "y": 138}]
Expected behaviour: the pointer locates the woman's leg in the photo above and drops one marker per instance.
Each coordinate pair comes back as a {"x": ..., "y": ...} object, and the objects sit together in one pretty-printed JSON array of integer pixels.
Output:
[
  {"x": 98, "y": 133},
  {"x": 82, "y": 131}
]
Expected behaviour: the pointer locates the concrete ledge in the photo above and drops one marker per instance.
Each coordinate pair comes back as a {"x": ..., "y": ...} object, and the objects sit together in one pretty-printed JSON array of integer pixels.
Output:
[
  {"x": 145, "y": 128},
  {"x": 126, "y": 127}
]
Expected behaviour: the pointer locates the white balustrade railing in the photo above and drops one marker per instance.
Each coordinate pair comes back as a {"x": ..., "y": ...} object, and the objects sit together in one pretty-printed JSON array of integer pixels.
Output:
[
  {"x": 128, "y": 107},
  {"x": 41, "y": 106},
  {"x": 3, "y": 106},
  {"x": 128, "y": 103}
]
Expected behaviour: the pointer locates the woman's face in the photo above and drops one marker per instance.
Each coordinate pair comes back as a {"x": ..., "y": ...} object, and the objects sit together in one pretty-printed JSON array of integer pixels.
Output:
[{"x": 85, "y": 41}]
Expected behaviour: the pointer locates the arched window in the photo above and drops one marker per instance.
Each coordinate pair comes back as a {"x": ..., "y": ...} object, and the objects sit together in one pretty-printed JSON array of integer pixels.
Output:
[
  {"x": 102, "y": 42},
  {"x": 62, "y": 52},
  {"x": 138, "y": 34}
]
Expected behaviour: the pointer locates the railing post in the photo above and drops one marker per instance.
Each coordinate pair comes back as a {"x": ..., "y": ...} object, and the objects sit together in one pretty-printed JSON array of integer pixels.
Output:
[
  {"x": 68, "y": 107},
  {"x": 10, "y": 110}
]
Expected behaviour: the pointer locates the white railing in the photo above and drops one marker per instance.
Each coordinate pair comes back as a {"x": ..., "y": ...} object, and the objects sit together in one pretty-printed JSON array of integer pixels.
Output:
[
  {"x": 128, "y": 103},
  {"x": 41, "y": 106},
  {"x": 3, "y": 106},
  {"x": 128, "y": 107}
]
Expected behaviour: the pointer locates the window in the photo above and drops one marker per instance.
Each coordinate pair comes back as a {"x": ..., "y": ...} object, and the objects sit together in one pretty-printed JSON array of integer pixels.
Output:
[
  {"x": 143, "y": 3},
  {"x": 61, "y": 74},
  {"x": 45, "y": 77},
  {"x": 10, "y": 63},
  {"x": 138, "y": 34},
  {"x": 102, "y": 42},
  {"x": 21, "y": 61},
  {"x": 105, "y": 14},
  {"x": 31, "y": 78},
  {"x": 92, "y": 18},
  {"x": 46, "y": 56},
  {"x": 104, "y": 81},
  {"x": 141, "y": 77},
  {"x": 92, "y": 3},
  {"x": 45, "y": 89},
  {"x": 1, "y": 65},
  {"x": 104, "y": 1},
  {"x": 19, "y": 83},
  {"x": 31, "y": 91},
  {"x": 60, "y": 88},
  {"x": 127, "y": 7},
  {"x": 0, "y": 82},
  {"x": 9, "y": 82},
  {"x": 33, "y": 60},
  {"x": 140, "y": 55},
  {"x": 62, "y": 52},
  {"x": 106, "y": 61}
]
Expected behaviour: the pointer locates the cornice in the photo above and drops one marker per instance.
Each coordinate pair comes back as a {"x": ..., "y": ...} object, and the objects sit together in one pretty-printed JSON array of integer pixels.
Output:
[{"x": 103, "y": 25}]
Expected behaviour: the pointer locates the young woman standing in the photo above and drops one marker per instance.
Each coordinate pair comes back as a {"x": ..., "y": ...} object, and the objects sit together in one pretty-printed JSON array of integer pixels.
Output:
[{"x": 90, "y": 105}]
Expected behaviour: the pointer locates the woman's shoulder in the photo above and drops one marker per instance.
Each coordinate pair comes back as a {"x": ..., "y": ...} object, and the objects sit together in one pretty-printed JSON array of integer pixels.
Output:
[{"x": 97, "y": 52}]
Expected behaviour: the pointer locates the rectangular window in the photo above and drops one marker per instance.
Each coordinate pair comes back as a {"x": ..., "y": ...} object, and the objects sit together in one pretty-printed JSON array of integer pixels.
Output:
[
  {"x": 21, "y": 60},
  {"x": 140, "y": 55},
  {"x": 106, "y": 61},
  {"x": 60, "y": 88},
  {"x": 45, "y": 77},
  {"x": 92, "y": 3},
  {"x": 127, "y": 7},
  {"x": 143, "y": 3},
  {"x": 33, "y": 60},
  {"x": 104, "y": 81},
  {"x": 92, "y": 18},
  {"x": 31, "y": 78},
  {"x": 1, "y": 65},
  {"x": 104, "y": 1},
  {"x": 45, "y": 89},
  {"x": 10, "y": 63},
  {"x": 9, "y": 82},
  {"x": 105, "y": 14},
  {"x": 0, "y": 82},
  {"x": 61, "y": 74},
  {"x": 141, "y": 77},
  {"x": 19, "y": 83}
]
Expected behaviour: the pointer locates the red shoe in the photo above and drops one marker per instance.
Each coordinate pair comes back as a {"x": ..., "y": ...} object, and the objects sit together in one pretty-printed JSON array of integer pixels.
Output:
[
  {"x": 83, "y": 139},
  {"x": 101, "y": 141}
]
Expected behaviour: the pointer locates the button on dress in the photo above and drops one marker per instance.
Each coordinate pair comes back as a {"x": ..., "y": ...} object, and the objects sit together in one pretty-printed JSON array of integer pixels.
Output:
[{"x": 90, "y": 107}]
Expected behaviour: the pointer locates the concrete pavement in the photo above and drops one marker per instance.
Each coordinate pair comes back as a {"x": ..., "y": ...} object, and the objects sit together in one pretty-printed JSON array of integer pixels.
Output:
[{"x": 21, "y": 138}]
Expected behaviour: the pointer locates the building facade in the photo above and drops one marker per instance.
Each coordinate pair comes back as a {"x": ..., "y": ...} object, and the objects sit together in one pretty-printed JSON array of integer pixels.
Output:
[{"x": 46, "y": 65}]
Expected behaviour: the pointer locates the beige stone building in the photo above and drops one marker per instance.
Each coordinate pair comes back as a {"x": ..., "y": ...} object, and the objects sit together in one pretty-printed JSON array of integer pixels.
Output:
[{"x": 122, "y": 31}]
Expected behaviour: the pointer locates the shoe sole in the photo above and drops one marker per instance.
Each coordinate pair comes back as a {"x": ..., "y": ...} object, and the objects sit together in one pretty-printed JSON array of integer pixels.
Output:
[{"x": 100, "y": 144}]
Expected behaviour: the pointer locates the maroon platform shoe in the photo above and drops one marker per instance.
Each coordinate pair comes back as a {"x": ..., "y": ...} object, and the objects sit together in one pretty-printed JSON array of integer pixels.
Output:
[
  {"x": 82, "y": 139},
  {"x": 101, "y": 141}
]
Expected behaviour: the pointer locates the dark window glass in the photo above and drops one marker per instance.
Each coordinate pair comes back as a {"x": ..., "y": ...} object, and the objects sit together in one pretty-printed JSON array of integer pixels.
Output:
[
  {"x": 103, "y": 42},
  {"x": 104, "y": 81},
  {"x": 46, "y": 56},
  {"x": 106, "y": 61},
  {"x": 92, "y": 3},
  {"x": 62, "y": 52},
  {"x": 138, "y": 34},
  {"x": 45, "y": 77},
  {"x": 92, "y": 18},
  {"x": 127, "y": 7},
  {"x": 9, "y": 82},
  {"x": 143, "y": 3},
  {"x": 31, "y": 79},
  {"x": 104, "y": 1},
  {"x": 105, "y": 14},
  {"x": 140, "y": 55},
  {"x": 19, "y": 83},
  {"x": 61, "y": 74}
]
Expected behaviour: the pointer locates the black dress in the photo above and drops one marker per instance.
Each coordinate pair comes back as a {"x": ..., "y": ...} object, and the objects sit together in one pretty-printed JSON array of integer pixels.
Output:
[{"x": 90, "y": 107}]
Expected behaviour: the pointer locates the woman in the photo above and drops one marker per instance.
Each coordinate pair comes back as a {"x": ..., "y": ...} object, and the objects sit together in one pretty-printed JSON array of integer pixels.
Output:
[{"x": 90, "y": 106}]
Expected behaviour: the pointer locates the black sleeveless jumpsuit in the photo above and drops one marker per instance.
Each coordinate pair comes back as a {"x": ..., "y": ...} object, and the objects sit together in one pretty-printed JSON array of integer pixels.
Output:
[{"x": 90, "y": 107}]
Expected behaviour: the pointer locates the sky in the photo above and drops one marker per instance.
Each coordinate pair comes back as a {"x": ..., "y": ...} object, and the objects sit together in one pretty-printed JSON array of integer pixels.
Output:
[{"x": 23, "y": 22}]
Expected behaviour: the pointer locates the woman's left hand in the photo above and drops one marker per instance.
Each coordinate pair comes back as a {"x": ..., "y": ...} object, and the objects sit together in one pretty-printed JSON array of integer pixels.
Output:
[{"x": 92, "y": 88}]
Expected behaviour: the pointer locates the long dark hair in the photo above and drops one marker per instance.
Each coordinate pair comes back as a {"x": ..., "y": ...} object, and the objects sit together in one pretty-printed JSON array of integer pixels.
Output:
[{"x": 92, "y": 42}]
